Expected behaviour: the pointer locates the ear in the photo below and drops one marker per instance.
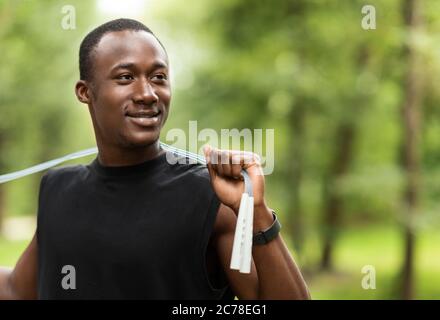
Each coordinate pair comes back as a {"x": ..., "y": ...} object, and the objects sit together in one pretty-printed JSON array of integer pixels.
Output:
[{"x": 82, "y": 91}]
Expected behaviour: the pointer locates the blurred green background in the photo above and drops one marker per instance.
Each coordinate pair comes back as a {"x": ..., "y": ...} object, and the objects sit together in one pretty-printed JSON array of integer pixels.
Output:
[{"x": 355, "y": 113}]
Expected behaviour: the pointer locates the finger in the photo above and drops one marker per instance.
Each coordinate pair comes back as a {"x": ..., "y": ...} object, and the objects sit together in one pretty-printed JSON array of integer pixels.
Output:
[
  {"x": 216, "y": 156},
  {"x": 250, "y": 159},
  {"x": 240, "y": 160},
  {"x": 226, "y": 163},
  {"x": 208, "y": 152},
  {"x": 236, "y": 166}
]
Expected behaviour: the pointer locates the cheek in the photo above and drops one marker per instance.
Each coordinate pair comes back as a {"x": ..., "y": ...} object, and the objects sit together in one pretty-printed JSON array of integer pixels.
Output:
[
  {"x": 165, "y": 95},
  {"x": 109, "y": 119},
  {"x": 167, "y": 104},
  {"x": 109, "y": 106}
]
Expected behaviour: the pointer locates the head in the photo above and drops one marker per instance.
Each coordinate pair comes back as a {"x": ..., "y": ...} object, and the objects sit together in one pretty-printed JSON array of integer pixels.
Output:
[{"x": 124, "y": 80}]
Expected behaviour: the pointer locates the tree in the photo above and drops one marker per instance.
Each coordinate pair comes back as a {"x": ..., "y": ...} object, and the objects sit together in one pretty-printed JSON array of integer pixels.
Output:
[
  {"x": 411, "y": 114},
  {"x": 39, "y": 60}
]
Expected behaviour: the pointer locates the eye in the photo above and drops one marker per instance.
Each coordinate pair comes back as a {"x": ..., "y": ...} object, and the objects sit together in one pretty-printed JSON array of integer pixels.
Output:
[
  {"x": 160, "y": 77},
  {"x": 125, "y": 77}
]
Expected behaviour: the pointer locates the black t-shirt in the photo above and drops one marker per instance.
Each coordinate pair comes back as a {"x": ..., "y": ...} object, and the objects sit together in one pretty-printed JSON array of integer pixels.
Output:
[{"x": 131, "y": 232}]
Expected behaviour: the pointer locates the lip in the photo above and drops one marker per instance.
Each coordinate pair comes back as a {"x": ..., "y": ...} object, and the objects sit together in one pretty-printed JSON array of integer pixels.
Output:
[
  {"x": 143, "y": 113},
  {"x": 145, "y": 118}
]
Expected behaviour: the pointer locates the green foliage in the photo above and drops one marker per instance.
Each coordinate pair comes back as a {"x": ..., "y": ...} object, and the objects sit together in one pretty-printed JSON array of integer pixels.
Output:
[
  {"x": 255, "y": 64},
  {"x": 40, "y": 119}
]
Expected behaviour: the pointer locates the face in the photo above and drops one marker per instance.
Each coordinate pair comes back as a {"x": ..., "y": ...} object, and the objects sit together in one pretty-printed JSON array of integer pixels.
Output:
[{"x": 130, "y": 94}]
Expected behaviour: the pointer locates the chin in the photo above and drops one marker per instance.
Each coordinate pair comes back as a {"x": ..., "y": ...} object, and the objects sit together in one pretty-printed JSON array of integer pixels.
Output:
[{"x": 143, "y": 140}]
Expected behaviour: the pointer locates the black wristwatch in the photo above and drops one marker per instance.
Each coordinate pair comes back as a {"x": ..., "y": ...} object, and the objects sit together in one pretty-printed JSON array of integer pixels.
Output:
[{"x": 265, "y": 236}]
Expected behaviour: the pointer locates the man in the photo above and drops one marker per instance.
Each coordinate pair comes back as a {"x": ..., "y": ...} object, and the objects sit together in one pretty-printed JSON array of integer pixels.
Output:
[{"x": 131, "y": 225}]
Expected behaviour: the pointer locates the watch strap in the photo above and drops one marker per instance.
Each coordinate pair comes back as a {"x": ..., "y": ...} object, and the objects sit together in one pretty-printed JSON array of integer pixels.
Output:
[{"x": 265, "y": 236}]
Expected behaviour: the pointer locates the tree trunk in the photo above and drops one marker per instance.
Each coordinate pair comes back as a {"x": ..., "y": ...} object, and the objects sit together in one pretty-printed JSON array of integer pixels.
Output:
[
  {"x": 411, "y": 112},
  {"x": 298, "y": 10},
  {"x": 345, "y": 138},
  {"x": 332, "y": 201}
]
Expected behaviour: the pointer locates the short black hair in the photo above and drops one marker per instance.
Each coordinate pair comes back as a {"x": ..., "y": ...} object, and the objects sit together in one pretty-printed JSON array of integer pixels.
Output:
[{"x": 92, "y": 39}]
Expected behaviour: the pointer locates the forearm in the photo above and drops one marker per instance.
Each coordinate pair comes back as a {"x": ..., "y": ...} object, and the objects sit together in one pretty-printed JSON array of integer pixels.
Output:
[
  {"x": 21, "y": 281},
  {"x": 278, "y": 275},
  {"x": 6, "y": 292}
]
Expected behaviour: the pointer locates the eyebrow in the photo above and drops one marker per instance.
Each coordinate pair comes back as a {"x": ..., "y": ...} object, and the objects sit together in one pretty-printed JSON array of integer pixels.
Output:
[{"x": 131, "y": 65}]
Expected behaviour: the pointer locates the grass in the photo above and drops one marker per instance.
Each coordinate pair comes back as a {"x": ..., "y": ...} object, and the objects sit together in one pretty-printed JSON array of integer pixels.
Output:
[{"x": 382, "y": 248}]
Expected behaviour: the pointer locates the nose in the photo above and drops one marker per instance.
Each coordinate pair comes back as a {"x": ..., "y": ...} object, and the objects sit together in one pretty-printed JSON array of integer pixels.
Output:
[{"x": 145, "y": 93}]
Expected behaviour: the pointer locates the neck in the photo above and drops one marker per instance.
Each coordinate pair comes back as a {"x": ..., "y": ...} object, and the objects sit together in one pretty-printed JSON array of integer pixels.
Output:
[{"x": 113, "y": 156}]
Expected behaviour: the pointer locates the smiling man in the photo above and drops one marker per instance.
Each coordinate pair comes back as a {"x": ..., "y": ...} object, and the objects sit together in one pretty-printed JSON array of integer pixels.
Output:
[{"x": 130, "y": 225}]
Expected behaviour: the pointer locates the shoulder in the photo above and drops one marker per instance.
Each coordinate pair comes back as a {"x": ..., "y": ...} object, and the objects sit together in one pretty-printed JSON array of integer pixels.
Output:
[
  {"x": 65, "y": 175},
  {"x": 65, "y": 171},
  {"x": 187, "y": 169}
]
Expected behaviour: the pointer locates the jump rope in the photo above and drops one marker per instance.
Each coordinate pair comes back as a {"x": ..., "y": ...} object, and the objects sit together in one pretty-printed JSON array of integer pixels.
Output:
[{"x": 241, "y": 258}]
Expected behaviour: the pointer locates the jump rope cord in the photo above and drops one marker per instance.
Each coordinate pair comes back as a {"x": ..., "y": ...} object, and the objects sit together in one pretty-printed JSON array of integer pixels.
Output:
[{"x": 242, "y": 247}]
